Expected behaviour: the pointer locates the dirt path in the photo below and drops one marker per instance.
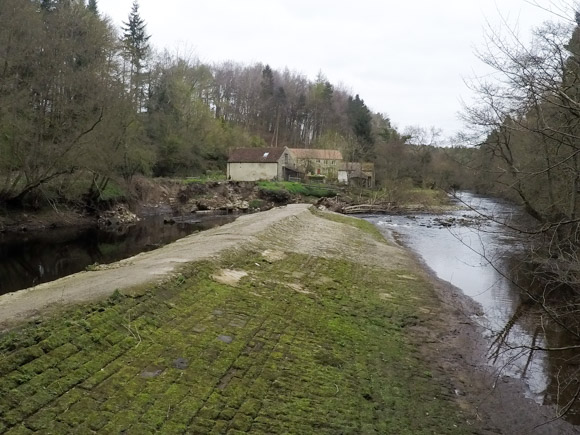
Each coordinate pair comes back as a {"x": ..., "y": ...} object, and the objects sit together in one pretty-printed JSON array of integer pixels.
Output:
[{"x": 295, "y": 245}]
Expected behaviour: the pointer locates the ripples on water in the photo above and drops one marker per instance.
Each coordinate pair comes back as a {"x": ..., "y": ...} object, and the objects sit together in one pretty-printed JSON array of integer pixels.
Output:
[{"x": 476, "y": 255}]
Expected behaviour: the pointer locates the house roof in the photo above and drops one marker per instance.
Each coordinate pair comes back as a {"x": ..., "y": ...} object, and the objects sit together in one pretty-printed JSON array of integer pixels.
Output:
[
  {"x": 312, "y": 153},
  {"x": 357, "y": 173},
  {"x": 357, "y": 166},
  {"x": 255, "y": 155}
]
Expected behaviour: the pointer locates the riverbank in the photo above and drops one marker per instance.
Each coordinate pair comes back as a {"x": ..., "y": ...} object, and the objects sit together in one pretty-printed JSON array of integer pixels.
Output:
[
  {"x": 167, "y": 197},
  {"x": 284, "y": 321}
]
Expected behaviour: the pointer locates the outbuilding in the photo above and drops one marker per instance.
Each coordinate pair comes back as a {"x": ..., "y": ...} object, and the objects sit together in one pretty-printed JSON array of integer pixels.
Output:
[{"x": 254, "y": 164}]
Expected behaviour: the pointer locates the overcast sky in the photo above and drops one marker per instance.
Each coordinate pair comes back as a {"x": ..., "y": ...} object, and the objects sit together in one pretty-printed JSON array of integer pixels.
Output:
[{"x": 405, "y": 58}]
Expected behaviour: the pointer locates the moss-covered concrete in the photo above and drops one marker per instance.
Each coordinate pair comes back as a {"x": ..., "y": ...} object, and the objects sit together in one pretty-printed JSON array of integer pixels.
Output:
[{"x": 302, "y": 344}]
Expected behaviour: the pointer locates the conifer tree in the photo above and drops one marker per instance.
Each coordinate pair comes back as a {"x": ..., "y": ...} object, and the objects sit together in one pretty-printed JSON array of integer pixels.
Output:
[
  {"x": 361, "y": 123},
  {"x": 92, "y": 6},
  {"x": 136, "y": 51}
]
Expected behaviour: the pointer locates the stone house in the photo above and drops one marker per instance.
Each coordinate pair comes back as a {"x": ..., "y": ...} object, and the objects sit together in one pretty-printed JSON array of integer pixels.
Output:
[
  {"x": 253, "y": 164},
  {"x": 357, "y": 174},
  {"x": 318, "y": 162}
]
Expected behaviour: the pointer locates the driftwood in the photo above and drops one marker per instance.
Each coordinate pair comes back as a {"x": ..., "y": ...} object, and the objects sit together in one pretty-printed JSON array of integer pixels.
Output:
[{"x": 368, "y": 208}]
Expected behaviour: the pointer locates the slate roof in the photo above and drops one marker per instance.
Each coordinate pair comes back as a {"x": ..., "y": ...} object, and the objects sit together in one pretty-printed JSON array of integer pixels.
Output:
[
  {"x": 356, "y": 166},
  {"x": 255, "y": 155},
  {"x": 312, "y": 153}
]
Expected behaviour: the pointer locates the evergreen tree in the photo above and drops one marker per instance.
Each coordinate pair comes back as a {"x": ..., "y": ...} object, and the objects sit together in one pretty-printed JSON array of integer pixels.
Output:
[
  {"x": 136, "y": 51},
  {"x": 361, "y": 123},
  {"x": 92, "y": 6},
  {"x": 267, "y": 103}
]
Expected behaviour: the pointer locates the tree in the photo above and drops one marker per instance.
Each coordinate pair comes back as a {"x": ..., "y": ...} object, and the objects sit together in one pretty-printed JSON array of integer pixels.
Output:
[
  {"x": 136, "y": 52},
  {"x": 529, "y": 122},
  {"x": 527, "y": 127},
  {"x": 361, "y": 124},
  {"x": 92, "y": 6},
  {"x": 55, "y": 73}
]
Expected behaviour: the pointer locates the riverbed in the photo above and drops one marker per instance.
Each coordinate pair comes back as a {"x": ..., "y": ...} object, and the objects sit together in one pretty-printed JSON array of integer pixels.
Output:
[{"x": 478, "y": 255}]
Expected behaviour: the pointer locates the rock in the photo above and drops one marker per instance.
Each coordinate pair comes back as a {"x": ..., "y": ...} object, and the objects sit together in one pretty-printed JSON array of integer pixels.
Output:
[
  {"x": 181, "y": 363},
  {"x": 202, "y": 206},
  {"x": 226, "y": 338},
  {"x": 120, "y": 216}
]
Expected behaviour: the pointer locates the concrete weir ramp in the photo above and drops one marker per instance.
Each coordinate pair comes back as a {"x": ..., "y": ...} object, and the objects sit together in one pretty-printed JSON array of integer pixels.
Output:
[
  {"x": 292, "y": 228},
  {"x": 143, "y": 268}
]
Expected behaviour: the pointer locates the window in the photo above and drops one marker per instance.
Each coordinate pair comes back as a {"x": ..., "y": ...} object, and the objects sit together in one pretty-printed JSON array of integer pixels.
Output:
[{"x": 286, "y": 159}]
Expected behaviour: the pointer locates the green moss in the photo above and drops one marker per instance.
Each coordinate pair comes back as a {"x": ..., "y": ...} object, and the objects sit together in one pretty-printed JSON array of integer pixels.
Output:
[
  {"x": 361, "y": 224},
  {"x": 336, "y": 361}
]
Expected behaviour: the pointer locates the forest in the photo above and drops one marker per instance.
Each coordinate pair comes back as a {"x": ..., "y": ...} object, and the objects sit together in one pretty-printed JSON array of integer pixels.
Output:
[{"x": 86, "y": 105}]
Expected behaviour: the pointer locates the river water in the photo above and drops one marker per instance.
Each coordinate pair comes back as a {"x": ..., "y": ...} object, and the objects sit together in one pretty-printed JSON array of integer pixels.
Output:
[
  {"x": 477, "y": 255},
  {"x": 30, "y": 259}
]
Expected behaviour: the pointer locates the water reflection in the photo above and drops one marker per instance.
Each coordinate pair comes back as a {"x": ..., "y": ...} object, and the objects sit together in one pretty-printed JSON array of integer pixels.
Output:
[
  {"x": 30, "y": 259},
  {"x": 477, "y": 256}
]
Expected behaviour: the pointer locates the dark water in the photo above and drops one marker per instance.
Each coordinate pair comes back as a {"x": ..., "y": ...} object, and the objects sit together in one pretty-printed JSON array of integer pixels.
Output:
[
  {"x": 477, "y": 256},
  {"x": 30, "y": 259}
]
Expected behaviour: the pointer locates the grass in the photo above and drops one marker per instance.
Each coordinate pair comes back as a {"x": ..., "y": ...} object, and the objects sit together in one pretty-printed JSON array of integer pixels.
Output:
[
  {"x": 296, "y": 188},
  {"x": 196, "y": 356},
  {"x": 113, "y": 192},
  {"x": 361, "y": 224},
  {"x": 209, "y": 176}
]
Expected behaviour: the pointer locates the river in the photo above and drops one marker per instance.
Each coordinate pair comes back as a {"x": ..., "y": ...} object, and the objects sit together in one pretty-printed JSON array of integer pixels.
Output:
[
  {"x": 28, "y": 259},
  {"x": 477, "y": 255}
]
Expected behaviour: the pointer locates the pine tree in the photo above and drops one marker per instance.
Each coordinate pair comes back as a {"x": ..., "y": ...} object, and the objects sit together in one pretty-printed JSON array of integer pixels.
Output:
[
  {"x": 361, "y": 123},
  {"x": 136, "y": 50},
  {"x": 92, "y": 6}
]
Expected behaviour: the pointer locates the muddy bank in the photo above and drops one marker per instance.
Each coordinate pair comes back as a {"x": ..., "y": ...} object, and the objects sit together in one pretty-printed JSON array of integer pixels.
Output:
[{"x": 457, "y": 347}]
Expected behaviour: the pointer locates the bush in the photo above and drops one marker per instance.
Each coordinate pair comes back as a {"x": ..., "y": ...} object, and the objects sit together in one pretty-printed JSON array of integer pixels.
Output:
[
  {"x": 295, "y": 188},
  {"x": 256, "y": 204},
  {"x": 278, "y": 196}
]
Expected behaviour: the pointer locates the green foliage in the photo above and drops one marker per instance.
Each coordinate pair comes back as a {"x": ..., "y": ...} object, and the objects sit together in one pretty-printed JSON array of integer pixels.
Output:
[
  {"x": 256, "y": 204},
  {"x": 313, "y": 190},
  {"x": 361, "y": 123},
  {"x": 113, "y": 192},
  {"x": 135, "y": 39},
  {"x": 165, "y": 116},
  {"x": 92, "y": 6}
]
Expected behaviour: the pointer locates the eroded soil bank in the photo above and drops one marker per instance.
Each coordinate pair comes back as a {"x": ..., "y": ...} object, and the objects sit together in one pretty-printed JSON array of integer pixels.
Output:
[{"x": 287, "y": 321}]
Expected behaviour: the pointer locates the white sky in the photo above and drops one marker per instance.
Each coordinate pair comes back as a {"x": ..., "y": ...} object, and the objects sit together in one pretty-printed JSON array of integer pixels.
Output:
[{"x": 405, "y": 58}]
